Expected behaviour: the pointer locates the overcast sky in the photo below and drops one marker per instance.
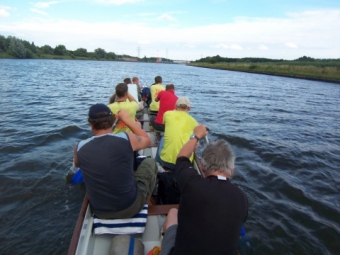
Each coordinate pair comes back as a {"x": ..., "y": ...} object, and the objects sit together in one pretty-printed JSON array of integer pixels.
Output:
[{"x": 180, "y": 29}]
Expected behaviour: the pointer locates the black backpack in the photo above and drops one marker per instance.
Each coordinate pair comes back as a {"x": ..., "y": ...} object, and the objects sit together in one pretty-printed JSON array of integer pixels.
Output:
[{"x": 168, "y": 189}]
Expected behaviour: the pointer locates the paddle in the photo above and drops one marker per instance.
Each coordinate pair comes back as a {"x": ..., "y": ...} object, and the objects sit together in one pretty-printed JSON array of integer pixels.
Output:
[{"x": 77, "y": 177}]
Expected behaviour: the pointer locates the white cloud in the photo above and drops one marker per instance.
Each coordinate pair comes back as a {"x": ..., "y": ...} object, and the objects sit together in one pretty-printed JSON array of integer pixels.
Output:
[
  {"x": 263, "y": 47},
  {"x": 220, "y": 46},
  {"x": 38, "y": 11},
  {"x": 4, "y": 11},
  {"x": 166, "y": 16},
  {"x": 118, "y": 2},
  {"x": 143, "y": 42},
  {"x": 291, "y": 45},
  {"x": 312, "y": 32},
  {"x": 43, "y": 4},
  {"x": 235, "y": 47},
  {"x": 225, "y": 46},
  {"x": 190, "y": 46}
]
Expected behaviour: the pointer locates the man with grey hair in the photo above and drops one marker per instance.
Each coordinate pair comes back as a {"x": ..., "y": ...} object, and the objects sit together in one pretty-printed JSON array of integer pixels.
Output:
[{"x": 212, "y": 210}]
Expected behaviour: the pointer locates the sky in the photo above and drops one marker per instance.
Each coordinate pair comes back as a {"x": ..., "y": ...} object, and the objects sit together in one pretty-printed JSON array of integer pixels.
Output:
[{"x": 180, "y": 29}]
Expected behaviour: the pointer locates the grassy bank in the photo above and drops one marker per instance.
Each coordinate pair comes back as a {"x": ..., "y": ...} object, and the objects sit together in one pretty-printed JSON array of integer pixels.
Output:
[{"x": 312, "y": 72}]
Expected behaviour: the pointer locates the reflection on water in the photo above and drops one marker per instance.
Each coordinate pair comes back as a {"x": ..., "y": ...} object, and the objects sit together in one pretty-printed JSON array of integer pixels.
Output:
[{"x": 285, "y": 133}]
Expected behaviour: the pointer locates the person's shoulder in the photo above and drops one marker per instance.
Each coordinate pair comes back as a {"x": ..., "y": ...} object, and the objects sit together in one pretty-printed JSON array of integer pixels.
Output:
[
  {"x": 83, "y": 142},
  {"x": 121, "y": 135},
  {"x": 238, "y": 190},
  {"x": 162, "y": 93},
  {"x": 192, "y": 118},
  {"x": 132, "y": 103},
  {"x": 112, "y": 105},
  {"x": 169, "y": 113}
]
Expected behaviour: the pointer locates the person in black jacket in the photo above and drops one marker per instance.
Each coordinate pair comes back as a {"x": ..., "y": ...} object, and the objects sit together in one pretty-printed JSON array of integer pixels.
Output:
[{"x": 212, "y": 209}]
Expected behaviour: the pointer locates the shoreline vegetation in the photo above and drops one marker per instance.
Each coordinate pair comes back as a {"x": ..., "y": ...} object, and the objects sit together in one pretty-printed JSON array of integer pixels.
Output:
[
  {"x": 305, "y": 67},
  {"x": 327, "y": 70},
  {"x": 15, "y": 48}
]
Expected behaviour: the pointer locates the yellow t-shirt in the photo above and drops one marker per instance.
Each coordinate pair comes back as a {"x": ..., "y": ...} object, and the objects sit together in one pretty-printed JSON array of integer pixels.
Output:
[
  {"x": 131, "y": 107},
  {"x": 179, "y": 126},
  {"x": 154, "y": 90}
]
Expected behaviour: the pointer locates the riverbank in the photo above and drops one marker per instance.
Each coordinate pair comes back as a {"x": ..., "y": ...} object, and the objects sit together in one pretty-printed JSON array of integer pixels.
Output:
[{"x": 311, "y": 72}]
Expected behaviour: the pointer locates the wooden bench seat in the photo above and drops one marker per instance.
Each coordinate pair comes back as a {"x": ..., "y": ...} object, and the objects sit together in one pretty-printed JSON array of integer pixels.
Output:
[{"x": 160, "y": 209}]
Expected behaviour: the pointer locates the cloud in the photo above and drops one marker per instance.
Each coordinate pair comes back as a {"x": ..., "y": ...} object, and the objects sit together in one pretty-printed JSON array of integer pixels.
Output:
[
  {"x": 225, "y": 46},
  {"x": 143, "y": 42},
  {"x": 235, "y": 47},
  {"x": 291, "y": 45},
  {"x": 43, "y": 5},
  {"x": 220, "y": 46},
  {"x": 4, "y": 11},
  {"x": 311, "y": 33},
  {"x": 118, "y": 2},
  {"x": 38, "y": 11},
  {"x": 263, "y": 47},
  {"x": 166, "y": 16}
]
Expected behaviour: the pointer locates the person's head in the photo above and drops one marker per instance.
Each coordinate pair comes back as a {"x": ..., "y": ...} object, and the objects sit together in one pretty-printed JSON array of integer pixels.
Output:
[
  {"x": 135, "y": 80},
  {"x": 158, "y": 79},
  {"x": 100, "y": 117},
  {"x": 121, "y": 90},
  {"x": 170, "y": 87},
  {"x": 183, "y": 104},
  {"x": 127, "y": 81},
  {"x": 218, "y": 156}
]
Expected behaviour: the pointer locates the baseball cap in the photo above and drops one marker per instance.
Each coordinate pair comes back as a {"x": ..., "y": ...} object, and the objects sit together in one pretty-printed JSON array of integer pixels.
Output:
[
  {"x": 183, "y": 101},
  {"x": 98, "y": 111}
]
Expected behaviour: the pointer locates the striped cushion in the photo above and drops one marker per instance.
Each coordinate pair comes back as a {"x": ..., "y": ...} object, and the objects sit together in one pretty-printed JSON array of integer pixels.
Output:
[{"x": 133, "y": 225}]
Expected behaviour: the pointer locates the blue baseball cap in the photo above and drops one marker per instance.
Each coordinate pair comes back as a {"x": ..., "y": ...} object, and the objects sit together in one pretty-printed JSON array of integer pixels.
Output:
[{"x": 98, "y": 111}]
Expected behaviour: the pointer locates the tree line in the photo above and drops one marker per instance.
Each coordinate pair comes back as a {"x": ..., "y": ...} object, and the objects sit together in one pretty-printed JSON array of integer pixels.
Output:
[
  {"x": 300, "y": 61},
  {"x": 12, "y": 47},
  {"x": 17, "y": 48}
]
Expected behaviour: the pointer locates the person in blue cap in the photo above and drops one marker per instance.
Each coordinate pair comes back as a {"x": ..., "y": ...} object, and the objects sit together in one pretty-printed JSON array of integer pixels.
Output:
[{"x": 106, "y": 161}]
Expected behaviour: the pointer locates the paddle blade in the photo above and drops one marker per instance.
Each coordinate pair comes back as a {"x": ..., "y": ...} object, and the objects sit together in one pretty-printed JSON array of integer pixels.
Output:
[{"x": 77, "y": 177}]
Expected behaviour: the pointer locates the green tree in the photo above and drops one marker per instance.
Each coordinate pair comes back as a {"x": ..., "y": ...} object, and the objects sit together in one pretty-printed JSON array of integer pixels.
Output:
[
  {"x": 100, "y": 53},
  {"x": 213, "y": 60},
  {"x": 80, "y": 52},
  {"x": 111, "y": 55},
  {"x": 4, "y": 43},
  {"x": 60, "y": 50},
  {"x": 46, "y": 49},
  {"x": 16, "y": 47}
]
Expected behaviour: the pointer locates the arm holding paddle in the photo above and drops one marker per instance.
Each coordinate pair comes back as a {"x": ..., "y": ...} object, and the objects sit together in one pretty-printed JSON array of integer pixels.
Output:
[{"x": 200, "y": 131}]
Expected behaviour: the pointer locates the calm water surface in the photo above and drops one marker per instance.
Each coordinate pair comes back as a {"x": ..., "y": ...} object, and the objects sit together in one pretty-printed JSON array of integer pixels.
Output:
[{"x": 285, "y": 133}]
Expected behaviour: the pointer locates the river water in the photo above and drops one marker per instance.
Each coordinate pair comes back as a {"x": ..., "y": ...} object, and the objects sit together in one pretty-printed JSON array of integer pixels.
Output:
[{"x": 285, "y": 133}]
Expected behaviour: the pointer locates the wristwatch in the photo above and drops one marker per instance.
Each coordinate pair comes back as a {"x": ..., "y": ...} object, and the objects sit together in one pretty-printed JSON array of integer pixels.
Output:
[{"x": 194, "y": 136}]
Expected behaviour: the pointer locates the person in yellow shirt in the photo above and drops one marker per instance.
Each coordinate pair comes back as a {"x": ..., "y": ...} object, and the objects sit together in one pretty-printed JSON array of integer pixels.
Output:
[
  {"x": 179, "y": 126},
  {"x": 123, "y": 101},
  {"x": 154, "y": 90}
]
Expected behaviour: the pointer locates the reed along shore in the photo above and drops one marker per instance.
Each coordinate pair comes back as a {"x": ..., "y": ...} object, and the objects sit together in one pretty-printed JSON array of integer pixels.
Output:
[{"x": 311, "y": 72}]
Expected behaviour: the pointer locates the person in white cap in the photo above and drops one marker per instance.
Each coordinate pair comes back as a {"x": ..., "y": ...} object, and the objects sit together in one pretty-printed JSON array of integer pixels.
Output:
[{"x": 179, "y": 125}]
